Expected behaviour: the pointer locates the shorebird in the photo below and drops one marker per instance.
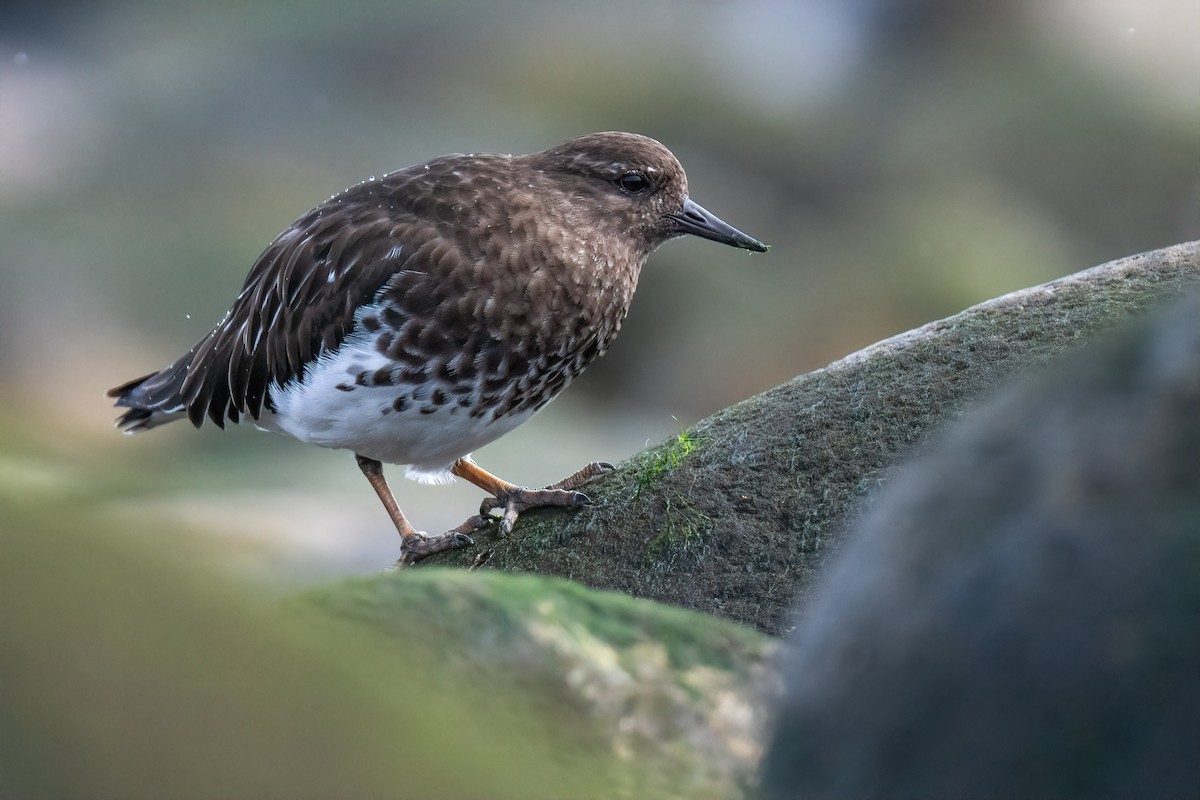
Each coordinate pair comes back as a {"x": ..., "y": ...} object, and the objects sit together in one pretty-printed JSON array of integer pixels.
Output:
[{"x": 416, "y": 317}]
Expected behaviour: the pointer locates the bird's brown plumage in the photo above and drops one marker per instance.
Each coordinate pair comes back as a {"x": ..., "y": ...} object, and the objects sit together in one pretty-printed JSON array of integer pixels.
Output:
[
  {"x": 418, "y": 316},
  {"x": 509, "y": 258}
]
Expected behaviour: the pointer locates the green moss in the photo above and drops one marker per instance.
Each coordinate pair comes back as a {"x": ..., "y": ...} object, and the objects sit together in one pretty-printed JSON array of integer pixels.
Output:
[
  {"x": 662, "y": 459},
  {"x": 436, "y": 603}
]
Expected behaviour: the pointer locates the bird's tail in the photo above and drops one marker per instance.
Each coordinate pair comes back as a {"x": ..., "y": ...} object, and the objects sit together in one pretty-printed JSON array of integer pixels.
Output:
[{"x": 153, "y": 399}]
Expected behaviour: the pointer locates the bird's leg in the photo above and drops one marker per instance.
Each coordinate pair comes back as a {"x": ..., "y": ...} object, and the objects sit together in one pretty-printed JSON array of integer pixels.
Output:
[
  {"x": 414, "y": 545},
  {"x": 515, "y": 499}
]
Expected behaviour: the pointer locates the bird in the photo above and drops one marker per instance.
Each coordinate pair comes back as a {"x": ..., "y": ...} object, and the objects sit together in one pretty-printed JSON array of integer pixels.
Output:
[{"x": 419, "y": 315}]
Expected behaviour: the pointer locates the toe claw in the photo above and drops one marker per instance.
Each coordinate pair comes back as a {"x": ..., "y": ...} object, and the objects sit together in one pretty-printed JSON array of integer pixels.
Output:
[
  {"x": 511, "y": 512},
  {"x": 516, "y": 500},
  {"x": 475, "y": 523},
  {"x": 415, "y": 547}
]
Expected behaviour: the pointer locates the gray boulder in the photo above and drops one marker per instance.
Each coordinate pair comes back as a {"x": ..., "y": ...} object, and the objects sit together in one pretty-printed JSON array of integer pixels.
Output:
[{"x": 1019, "y": 613}]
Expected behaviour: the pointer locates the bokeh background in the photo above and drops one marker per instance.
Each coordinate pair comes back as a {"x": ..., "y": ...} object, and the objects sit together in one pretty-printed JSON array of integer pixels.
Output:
[{"x": 905, "y": 158}]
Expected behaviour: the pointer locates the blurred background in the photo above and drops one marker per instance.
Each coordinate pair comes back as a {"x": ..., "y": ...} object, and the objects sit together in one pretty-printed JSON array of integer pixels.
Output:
[{"x": 905, "y": 158}]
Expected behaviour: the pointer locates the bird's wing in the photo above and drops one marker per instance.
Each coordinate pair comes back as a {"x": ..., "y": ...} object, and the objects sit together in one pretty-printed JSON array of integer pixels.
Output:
[{"x": 298, "y": 301}]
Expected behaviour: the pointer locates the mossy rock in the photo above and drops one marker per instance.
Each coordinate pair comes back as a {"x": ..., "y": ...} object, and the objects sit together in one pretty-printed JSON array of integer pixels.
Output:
[
  {"x": 680, "y": 697},
  {"x": 131, "y": 669},
  {"x": 741, "y": 524}
]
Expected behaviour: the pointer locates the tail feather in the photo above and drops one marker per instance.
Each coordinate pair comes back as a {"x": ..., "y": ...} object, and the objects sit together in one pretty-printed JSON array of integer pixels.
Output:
[{"x": 153, "y": 399}]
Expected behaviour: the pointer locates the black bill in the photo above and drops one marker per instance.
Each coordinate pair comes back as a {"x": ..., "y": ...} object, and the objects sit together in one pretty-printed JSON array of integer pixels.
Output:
[{"x": 694, "y": 219}]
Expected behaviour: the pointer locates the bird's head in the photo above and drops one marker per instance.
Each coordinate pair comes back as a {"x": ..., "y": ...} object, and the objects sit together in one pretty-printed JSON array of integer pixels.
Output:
[{"x": 629, "y": 185}]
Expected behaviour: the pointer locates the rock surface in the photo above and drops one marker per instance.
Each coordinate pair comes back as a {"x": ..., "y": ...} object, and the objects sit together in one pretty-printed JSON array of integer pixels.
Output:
[
  {"x": 678, "y": 700},
  {"x": 737, "y": 515},
  {"x": 1016, "y": 616},
  {"x": 131, "y": 670}
]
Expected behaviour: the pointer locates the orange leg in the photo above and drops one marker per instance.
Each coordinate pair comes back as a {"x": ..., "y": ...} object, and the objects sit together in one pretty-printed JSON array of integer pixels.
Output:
[
  {"x": 414, "y": 545},
  {"x": 374, "y": 472}
]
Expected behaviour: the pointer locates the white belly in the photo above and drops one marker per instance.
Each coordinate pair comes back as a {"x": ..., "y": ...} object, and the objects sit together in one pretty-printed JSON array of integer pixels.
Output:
[{"x": 328, "y": 408}]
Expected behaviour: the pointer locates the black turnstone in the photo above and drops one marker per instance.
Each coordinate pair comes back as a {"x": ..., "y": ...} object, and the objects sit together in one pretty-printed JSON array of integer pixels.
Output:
[{"x": 418, "y": 316}]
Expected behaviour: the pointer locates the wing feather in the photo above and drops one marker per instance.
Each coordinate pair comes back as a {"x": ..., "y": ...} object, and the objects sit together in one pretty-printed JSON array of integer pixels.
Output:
[
  {"x": 303, "y": 291},
  {"x": 298, "y": 301}
]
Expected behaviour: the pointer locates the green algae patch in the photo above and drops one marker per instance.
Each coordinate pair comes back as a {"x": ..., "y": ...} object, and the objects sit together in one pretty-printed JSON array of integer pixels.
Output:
[{"x": 677, "y": 697}]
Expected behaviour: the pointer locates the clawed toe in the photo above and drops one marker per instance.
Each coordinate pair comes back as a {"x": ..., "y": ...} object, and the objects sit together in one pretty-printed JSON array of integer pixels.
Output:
[
  {"x": 520, "y": 500},
  {"x": 525, "y": 499},
  {"x": 583, "y": 476},
  {"x": 417, "y": 546},
  {"x": 512, "y": 500}
]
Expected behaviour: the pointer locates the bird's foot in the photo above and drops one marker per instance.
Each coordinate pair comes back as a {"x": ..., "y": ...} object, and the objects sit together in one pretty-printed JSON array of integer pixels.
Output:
[
  {"x": 516, "y": 500},
  {"x": 418, "y": 545}
]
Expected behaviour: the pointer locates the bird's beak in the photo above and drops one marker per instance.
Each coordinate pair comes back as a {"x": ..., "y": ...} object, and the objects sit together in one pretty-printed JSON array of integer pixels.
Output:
[{"x": 693, "y": 218}]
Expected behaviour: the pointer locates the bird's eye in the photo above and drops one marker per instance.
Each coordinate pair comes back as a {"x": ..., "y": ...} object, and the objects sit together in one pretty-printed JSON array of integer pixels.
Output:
[{"x": 633, "y": 183}]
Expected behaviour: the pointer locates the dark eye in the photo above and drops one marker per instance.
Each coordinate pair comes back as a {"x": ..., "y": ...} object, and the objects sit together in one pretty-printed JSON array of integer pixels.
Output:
[{"x": 633, "y": 183}]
